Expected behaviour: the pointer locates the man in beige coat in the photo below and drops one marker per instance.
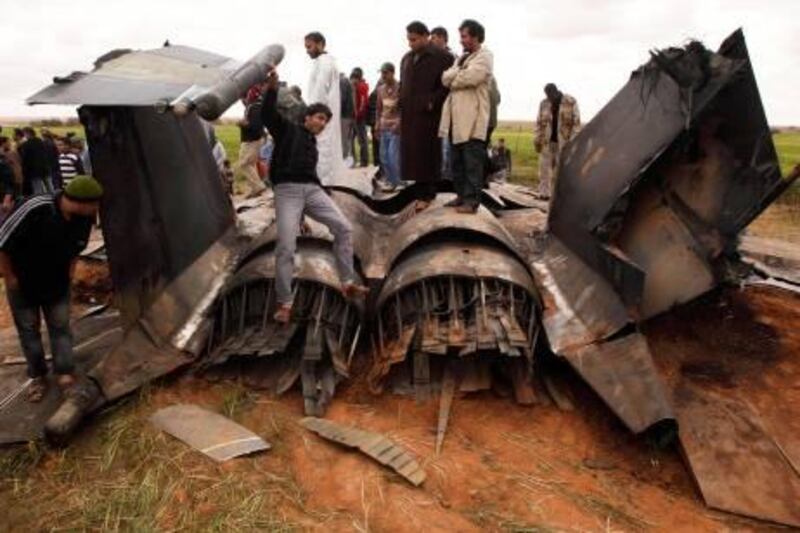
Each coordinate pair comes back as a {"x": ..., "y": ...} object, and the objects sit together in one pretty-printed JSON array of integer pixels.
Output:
[{"x": 465, "y": 116}]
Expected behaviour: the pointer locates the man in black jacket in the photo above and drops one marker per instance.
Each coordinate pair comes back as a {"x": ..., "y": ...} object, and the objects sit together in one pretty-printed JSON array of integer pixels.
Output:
[
  {"x": 39, "y": 243},
  {"x": 298, "y": 192},
  {"x": 372, "y": 122},
  {"x": 35, "y": 165}
]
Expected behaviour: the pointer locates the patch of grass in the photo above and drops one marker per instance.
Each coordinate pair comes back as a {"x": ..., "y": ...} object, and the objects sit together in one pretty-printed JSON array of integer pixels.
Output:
[
  {"x": 236, "y": 400},
  {"x": 123, "y": 474},
  {"x": 519, "y": 139},
  {"x": 17, "y": 461}
]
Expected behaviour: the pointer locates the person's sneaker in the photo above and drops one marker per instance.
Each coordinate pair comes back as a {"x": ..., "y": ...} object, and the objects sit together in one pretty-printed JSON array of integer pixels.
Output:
[
  {"x": 455, "y": 202},
  {"x": 283, "y": 314},
  {"x": 354, "y": 290},
  {"x": 467, "y": 208},
  {"x": 36, "y": 389}
]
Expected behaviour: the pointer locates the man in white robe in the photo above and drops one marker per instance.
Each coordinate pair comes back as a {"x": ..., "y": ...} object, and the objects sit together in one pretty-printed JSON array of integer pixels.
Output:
[{"x": 323, "y": 87}]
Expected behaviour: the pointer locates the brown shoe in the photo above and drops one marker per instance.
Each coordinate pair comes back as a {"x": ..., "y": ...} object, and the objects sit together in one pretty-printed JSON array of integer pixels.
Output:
[
  {"x": 467, "y": 209},
  {"x": 37, "y": 389},
  {"x": 353, "y": 290},
  {"x": 283, "y": 314}
]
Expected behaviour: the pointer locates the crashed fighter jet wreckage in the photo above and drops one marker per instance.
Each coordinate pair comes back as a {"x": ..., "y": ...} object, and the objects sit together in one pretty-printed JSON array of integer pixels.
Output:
[{"x": 651, "y": 199}]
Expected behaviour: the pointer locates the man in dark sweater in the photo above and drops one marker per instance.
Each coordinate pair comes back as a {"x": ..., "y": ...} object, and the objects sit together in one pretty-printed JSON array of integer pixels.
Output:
[
  {"x": 39, "y": 243},
  {"x": 298, "y": 192},
  {"x": 35, "y": 165},
  {"x": 7, "y": 186}
]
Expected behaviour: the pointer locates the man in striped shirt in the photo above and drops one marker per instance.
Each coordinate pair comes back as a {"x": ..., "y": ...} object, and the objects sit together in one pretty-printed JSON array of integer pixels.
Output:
[
  {"x": 39, "y": 243},
  {"x": 69, "y": 162}
]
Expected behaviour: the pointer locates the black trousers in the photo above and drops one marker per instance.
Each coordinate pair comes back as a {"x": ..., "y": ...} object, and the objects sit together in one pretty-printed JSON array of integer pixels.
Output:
[
  {"x": 469, "y": 164},
  {"x": 360, "y": 135}
]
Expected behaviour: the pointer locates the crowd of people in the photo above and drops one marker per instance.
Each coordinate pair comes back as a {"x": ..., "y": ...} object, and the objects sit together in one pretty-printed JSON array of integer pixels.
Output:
[
  {"x": 430, "y": 118},
  {"x": 32, "y": 164}
]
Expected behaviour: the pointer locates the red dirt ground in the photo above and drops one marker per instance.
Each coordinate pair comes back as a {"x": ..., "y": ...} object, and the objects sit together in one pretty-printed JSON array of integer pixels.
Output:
[
  {"x": 503, "y": 467},
  {"x": 506, "y": 467}
]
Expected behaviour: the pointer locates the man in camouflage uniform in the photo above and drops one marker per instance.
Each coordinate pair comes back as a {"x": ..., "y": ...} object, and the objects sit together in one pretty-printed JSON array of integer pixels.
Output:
[{"x": 558, "y": 122}]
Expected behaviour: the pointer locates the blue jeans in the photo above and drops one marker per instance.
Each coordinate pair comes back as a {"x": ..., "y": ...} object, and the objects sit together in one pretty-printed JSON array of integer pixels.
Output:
[
  {"x": 27, "y": 318},
  {"x": 390, "y": 156},
  {"x": 292, "y": 201}
]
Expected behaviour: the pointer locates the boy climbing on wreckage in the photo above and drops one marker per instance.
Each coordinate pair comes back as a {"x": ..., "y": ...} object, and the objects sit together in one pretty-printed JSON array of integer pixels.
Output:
[{"x": 298, "y": 192}]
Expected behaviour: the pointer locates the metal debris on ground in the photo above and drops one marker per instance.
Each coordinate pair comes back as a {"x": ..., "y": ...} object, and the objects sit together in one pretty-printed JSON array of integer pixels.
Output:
[
  {"x": 375, "y": 445},
  {"x": 209, "y": 433}
]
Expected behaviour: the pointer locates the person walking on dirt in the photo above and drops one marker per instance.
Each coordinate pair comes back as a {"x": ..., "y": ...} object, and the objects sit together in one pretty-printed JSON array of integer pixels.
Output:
[
  {"x": 298, "y": 192},
  {"x": 39, "y": 243}
]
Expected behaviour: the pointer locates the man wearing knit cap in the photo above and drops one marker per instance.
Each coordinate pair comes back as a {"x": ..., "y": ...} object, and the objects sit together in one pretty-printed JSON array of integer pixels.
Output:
[{"x": 39, "y": 243}]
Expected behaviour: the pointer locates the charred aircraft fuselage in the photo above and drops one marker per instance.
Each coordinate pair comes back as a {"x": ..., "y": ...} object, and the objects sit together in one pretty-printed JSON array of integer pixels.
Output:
[{"x": 650, "y": 200}]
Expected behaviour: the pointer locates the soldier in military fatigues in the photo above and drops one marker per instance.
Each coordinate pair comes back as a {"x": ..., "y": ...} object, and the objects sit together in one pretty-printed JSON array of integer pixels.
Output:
[{"x": 559, "y": 121}]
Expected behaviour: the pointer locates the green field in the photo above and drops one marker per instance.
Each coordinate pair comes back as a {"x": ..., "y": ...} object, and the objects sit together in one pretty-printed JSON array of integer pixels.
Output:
[
  {"x": 525, "y": 160},
  {"x": 519, "y": 140}
]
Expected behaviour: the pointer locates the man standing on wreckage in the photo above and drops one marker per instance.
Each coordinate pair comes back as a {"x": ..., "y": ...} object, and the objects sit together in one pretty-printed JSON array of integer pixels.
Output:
[
  {"x": 298, "y": 192},
  {"x": 323, "y": 87}
]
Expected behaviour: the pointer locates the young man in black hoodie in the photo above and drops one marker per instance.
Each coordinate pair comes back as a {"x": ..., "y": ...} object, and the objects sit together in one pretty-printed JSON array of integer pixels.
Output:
[{"x": 298, "y": 192}]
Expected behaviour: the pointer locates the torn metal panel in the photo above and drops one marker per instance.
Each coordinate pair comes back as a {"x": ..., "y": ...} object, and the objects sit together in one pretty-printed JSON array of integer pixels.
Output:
[
  {"x": 622, "y": 372},
  {"x": 139, "y": 78},
  {"x": 374, "y": 445},
  {"x": 517, "y": 196},
  {"x": 676, "y": 263},
  {"x": 737, "y": 465},
  {"x": 164, "y": 205},
  {"x": 580, "y": 307},
  {"x": 779, "y": 259},
  {"x": 682, "y": 152},
  {"x": 137, "y": 360},
  {"x": 209, "y": 433}
]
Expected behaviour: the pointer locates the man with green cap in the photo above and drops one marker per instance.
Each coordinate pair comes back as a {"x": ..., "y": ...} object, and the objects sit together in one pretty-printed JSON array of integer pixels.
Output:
[{"x": 39, "y": 243}]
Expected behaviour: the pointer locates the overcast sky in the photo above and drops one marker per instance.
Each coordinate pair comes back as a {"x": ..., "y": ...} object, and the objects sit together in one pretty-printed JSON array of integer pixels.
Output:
[{"x": 587, "y": 47}]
